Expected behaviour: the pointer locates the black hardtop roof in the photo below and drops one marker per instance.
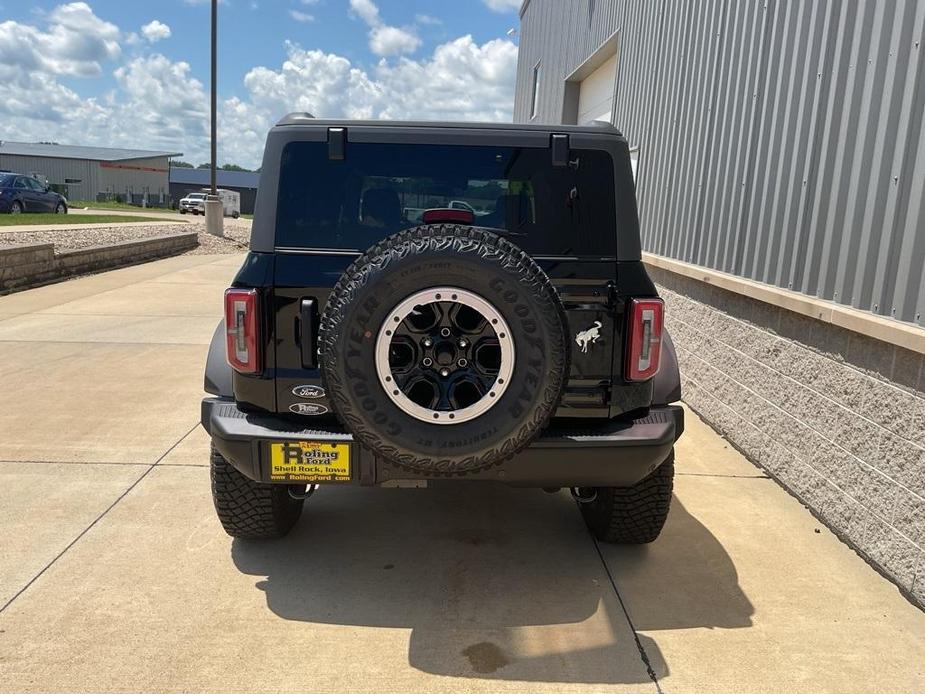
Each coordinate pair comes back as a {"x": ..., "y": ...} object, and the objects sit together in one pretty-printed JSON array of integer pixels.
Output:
[{"x": 307, "y": 120}]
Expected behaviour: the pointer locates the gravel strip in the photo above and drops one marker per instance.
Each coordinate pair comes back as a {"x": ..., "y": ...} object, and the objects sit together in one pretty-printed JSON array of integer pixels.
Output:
[
  {"x": 237, "y": 240},
  {"x": 237, "y": 237}
]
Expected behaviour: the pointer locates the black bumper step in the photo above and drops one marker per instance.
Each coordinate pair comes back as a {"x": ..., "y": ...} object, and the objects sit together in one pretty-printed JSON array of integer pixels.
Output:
[{"x": 615, "y": 453}]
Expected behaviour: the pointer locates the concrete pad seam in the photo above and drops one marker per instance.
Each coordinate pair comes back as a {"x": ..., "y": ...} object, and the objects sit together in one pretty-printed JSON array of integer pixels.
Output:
[
  {"x": 158, "y": 280},
  {"x": 95, "y": 521},
  {"x": 69, "y": 462},
  {"x": 613, "y": 584},
  {"x": 711, "y": 474},
  {"x": 118, "y": 315},
  {"x": 179, "y": 441},
  {"x": 102, "y": 342}
]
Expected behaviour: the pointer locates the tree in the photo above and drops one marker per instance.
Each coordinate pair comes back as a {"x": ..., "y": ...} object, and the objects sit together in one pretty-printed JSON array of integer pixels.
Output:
[
  {"x": 176, "y": 163},
  {"x": 232, "y": 167},
  {"x": 207, "y": 165}
]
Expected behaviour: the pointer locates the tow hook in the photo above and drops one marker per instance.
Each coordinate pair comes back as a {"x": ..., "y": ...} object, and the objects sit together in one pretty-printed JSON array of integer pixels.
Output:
[
  {"x": 577, "y": 496},
  {"x": 301, "y": 497}
]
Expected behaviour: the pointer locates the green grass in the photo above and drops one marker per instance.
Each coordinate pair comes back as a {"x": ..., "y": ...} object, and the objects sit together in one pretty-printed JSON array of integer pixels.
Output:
[
  {"x": 8, "y": 220},
  {"x": 93, "y": 205}
]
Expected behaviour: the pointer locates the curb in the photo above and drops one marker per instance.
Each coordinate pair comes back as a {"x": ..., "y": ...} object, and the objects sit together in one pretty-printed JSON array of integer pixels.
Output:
[{"x": 25, "y": 267}]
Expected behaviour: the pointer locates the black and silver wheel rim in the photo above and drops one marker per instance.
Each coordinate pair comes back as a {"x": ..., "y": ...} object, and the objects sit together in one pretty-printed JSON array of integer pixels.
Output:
[
  {"x": 444, "y": 355},
  {"x": 16, "y": 208}
]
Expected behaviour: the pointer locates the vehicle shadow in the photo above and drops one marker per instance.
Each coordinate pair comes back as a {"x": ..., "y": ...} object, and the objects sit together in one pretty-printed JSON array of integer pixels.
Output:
[
  {"x": 683, "y": 580},
  {"x": 494, "y": 582}
]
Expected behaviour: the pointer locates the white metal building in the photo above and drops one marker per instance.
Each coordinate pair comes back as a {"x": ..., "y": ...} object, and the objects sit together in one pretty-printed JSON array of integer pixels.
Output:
[
  {"x": 781, "y": 186},
  {"x": 91, "y": 173}
]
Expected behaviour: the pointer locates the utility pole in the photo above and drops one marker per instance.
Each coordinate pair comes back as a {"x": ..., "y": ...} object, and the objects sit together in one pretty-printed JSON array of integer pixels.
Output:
[
  {"x": 215, "y": 214},
  {"x": 214, "y": 92}
]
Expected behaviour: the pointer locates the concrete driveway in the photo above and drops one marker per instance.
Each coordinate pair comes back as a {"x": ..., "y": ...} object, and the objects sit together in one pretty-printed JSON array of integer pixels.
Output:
[{"x": 115, "y": 575}]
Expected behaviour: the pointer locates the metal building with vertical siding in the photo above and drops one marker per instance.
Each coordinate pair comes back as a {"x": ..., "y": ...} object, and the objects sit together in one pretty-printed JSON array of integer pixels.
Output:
[
  {"x": 780, "y": 176},
  {"x": 86, "y": 173},
  {"x": 780, "y": 141}
]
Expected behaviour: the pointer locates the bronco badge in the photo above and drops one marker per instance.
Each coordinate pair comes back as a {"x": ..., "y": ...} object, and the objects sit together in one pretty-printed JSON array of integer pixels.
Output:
[{"x": 588, "y": 337}]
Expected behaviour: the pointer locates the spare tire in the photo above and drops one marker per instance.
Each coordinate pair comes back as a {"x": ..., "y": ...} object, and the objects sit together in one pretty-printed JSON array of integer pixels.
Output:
[{"x": 444, "y": 349}]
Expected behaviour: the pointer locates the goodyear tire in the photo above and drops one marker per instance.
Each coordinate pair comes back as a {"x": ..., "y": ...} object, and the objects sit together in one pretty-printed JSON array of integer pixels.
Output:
[{"x": 419, "y": 341}]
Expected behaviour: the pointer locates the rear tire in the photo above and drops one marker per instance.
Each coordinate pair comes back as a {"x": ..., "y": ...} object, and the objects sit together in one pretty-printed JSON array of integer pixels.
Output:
[
  {"x": 16, "y": 207},
  {"x": 632, "y": 515},
  {"x": 248, "y": 509},
  {"x": 61, "y": 208}
]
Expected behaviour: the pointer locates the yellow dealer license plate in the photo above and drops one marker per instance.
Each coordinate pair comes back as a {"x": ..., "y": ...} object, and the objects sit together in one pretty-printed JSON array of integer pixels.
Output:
[{"x": 310, "y": 461}]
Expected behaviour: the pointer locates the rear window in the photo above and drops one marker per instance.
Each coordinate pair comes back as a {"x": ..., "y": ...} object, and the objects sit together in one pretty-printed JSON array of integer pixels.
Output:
[
  {"x": 380, "y": 189},
  {"x": 6, "y": 180}
]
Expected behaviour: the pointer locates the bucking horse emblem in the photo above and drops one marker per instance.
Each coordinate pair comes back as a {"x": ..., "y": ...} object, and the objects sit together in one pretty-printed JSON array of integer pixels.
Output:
[{"x": 588, "y": 337}]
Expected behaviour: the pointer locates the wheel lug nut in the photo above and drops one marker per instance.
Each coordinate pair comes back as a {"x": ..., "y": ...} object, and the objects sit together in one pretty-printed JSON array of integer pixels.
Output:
[
  {"x": 444, "y": 372},
  {"x": 428, "y": 361},
  {"x": 445, "y": 332},
  {"x": 463, "y": 344},
  {"x": 428, "y": 342},
  {"x": 463, "y": 363}
]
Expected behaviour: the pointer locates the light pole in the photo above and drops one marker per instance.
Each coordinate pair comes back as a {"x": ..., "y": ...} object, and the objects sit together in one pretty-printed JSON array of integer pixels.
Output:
[{"x": 214, "y": 209}]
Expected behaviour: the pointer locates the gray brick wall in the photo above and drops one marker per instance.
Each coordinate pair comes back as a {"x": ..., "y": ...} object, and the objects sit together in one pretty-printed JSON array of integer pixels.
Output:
[{"x": 836, "y": 417}]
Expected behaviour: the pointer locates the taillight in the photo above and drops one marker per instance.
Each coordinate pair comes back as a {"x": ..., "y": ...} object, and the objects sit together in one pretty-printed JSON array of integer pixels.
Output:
[
  {"x": 242, "y": 344},
  {"x": 643, "y": 338}
]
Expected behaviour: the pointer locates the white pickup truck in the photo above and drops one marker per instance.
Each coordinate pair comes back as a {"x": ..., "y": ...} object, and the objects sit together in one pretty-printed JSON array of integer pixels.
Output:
[{"x": 195, "y": 203}]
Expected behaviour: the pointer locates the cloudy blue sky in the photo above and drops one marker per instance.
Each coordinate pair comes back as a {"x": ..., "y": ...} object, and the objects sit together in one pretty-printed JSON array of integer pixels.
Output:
[{"x": 136, "y": 74}]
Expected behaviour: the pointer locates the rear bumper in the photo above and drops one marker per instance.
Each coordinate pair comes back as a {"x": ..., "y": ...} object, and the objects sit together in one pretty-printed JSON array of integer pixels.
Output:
[{"x": 607, "y": 454}]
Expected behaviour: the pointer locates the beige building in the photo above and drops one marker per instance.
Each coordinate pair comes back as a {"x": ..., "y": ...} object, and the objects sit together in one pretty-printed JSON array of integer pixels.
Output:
[{"x": 92, "y": 173}]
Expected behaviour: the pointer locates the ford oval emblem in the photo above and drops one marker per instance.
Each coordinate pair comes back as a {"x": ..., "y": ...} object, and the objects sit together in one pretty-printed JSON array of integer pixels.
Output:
[
  {"x": 308, "y": 408},
  {"x": 311, "y": 392}
]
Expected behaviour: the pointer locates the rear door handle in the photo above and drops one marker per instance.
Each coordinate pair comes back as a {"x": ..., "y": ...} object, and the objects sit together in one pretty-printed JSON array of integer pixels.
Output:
[{"x": 308, "y": 315}]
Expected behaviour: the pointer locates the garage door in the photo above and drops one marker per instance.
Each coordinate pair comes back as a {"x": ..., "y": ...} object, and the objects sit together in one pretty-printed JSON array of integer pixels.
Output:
[{"x": 595, "y": 96}]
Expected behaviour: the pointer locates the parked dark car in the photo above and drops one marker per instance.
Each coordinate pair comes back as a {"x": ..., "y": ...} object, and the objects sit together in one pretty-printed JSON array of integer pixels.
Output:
[{"x": 20, "y": 193}]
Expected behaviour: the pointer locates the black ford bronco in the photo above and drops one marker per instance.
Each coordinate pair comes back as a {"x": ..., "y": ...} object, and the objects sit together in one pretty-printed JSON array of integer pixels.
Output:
[{"x": 427, "y": 301}]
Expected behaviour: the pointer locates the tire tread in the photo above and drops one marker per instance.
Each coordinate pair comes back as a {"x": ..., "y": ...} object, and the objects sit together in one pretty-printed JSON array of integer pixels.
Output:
[
  {"x": 632, "y": 515},
  {"x": 249, "y": 509}
]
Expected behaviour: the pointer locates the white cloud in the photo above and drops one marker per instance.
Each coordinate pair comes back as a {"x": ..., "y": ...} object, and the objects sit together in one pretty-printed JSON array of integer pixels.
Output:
[
  {"x": 155, "y": 31},
  {"x": 156, "y": 102},
  {"x": 503, "y": 5},
  {"x": 427, "y": 20},
  {"x": 460, "y": 81},
  {"x": 76, "y": 43},
  {"x": 163, "y": 97},
  {"x": 386, "y": 40},
  {"x": 366, "y": 10},
  {"x": 159, "y": 103},
  {"x": 303, "y": 17}
]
